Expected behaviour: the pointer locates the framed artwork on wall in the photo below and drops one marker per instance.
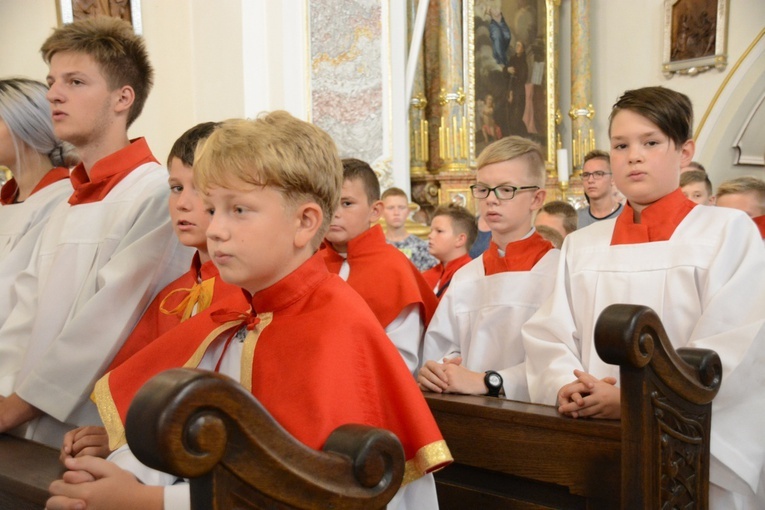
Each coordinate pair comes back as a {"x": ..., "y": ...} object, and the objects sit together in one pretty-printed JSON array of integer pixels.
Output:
[
  {"x": 73, "y": 10},
  {"x": 695, "y": 35},
  {"x": 511, "y": 72}
]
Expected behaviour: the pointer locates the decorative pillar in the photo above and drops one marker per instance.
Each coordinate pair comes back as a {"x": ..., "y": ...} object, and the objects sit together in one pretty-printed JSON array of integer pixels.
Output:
[
  {"x": 582, "y": 111},
  {"x": 418, "y": 121},
  {"x": 452, "y": 129}
]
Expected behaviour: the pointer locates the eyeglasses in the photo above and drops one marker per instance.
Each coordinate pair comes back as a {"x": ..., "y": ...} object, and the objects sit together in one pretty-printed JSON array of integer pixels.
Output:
[
  {"x": 502, "y": 192},
  {"x": 598, "y": 175}
]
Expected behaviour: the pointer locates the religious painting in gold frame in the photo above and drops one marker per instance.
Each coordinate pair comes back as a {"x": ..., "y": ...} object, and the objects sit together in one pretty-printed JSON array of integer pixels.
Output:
[
  {"x": 510, "y": 72},
  {"x": 695, "y": 34},
  {"x": 73, "y": 10}
]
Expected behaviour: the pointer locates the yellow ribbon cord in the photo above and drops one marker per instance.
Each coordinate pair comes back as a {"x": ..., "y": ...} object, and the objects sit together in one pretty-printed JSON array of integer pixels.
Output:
[{"x": 199, "y": 296}]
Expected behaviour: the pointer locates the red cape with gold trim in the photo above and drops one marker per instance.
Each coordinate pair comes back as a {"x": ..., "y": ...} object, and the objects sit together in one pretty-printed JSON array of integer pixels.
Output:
[
  {"x": 155, "y": 323},
  {"x": 383, "y": 276},
  {"x": 317, "y": 359}
]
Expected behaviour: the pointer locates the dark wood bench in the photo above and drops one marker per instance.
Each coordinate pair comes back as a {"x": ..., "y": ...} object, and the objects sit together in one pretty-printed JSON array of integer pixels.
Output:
[
  {"x": 508, "y": 454},
  {"x": 513, "y": 455},
  {"x": 206, "y": 427}
]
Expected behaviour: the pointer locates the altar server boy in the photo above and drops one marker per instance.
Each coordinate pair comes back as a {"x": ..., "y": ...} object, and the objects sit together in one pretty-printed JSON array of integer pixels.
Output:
[
  {"x": 105, "y": 252},
  {"x": 473, "y": 344},
  {"x": 701, "y": 269},
  {"x": 390, "y": 284},
  {"x": 308, "y": 343},
  {"x": 452, "y": 232}
]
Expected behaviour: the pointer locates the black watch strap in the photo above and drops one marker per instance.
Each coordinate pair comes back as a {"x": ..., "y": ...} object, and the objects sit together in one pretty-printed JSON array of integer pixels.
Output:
[{"x": 493, "y": 382}]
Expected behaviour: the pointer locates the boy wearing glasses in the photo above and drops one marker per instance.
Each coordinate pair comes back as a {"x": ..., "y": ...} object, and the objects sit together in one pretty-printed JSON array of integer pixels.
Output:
[
  {"x": 473, "y": 344},
  {"x": 598, "y": 187}
]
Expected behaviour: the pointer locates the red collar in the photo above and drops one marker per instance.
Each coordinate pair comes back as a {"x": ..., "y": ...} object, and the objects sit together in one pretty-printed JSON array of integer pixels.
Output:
[
  {"x": 108, "y": 172},
  {"x": 10, "y": 188},
  {"x": 442, "y": 274},
  {"x": 658, "y": 221},
  {"x": 519, "y": 255},
  {"x": 292, "y": 287},
  {"x": 760, "y": 222}
]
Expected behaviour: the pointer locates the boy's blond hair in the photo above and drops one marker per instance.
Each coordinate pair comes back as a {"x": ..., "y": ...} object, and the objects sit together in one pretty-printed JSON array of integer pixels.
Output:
[
  {"x": 394, "y": 192},
  {"x": 746, "y": 184},
  {"x": 565, "y": 211},
  {"x": 513, "y": 147},
  {"x": 277, "y": 150},
  {"x": 120, "y": 53},
  {"x": 463, "y": 221}
]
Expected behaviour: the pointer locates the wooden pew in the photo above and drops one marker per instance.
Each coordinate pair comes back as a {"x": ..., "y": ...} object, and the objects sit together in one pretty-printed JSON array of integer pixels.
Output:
[
  {"x": 513, "y": 455},
  {"x": 26, "y": 471},
  {"x": 206, "y": 427}
]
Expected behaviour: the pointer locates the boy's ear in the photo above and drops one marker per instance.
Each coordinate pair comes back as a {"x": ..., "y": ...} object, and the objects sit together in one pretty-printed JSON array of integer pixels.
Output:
[
  {"x": 308, "y": 217},
  {"x": 125, "y": 98},
  {"x": 375, "y": 212},
  {"x": 687, "y": 150},
  {"x": 539, "y": 199},
  {"x": 461, "y": 240}
]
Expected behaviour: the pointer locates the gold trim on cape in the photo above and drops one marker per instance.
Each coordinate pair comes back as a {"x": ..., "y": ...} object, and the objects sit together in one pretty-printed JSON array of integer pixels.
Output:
[{"x": 428, "y": 459}]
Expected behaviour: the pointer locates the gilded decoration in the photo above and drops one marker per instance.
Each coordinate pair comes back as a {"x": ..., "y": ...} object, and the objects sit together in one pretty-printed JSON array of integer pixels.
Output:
[
  {"x": 73, "y": 10},
  {"x": 695, "y": 36}
]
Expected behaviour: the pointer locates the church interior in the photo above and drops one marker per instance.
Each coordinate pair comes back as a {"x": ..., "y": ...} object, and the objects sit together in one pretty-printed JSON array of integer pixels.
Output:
[{"x": 417, "y": 89}]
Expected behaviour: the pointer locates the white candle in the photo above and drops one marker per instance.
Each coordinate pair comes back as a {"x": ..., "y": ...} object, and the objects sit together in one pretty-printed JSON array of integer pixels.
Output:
[{"x": 563, "y": 172}]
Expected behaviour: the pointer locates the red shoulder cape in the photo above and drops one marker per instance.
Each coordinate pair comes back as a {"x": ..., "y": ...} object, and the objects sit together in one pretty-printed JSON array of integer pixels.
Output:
[
  {"x": 441, "y": 275},
  {"x": 383, "y": 276},
  {"x": 316, "y": 359},
  {"x": 154, "y": 322}
]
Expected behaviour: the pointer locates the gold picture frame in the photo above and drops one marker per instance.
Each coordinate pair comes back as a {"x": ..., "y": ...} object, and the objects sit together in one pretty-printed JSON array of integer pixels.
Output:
[
  {"x": 72, "y": 10},
  {"x": 695, "y": 36},
  {"x": 488, "y": 58}
]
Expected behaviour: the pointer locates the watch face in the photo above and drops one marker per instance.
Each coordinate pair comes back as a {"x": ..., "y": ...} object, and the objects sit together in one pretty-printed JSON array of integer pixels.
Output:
[{"x": 495, "y": 380}]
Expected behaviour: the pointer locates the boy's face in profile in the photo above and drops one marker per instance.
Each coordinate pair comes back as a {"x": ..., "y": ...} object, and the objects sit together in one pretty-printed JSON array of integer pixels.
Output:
[
  {"x": 395, "y": 211},
  {"x": 187, "y": 211},
  {"x": 354, "y": 215},
  {"x": 697, "y": 192},
  {"x": 509, "y": 220},
  {"x": 442, "y": 240},
  {"x": 645, "y": 162},
  {"x": 748, "y": 202},
  {"x": 251, "y": 235},
  {"x": 82, "y": 105}
]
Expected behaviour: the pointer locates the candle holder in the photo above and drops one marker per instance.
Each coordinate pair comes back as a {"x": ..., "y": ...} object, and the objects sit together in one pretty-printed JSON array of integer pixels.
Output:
[{"x": 563, "y": 187}]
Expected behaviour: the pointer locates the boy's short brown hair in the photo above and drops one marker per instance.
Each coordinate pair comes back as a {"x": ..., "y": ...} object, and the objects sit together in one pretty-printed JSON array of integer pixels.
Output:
[
  {"x": 513, "y": 147},
  {"x": 355, "y": 169},
  {"x": 564, "y": 209},
  {"x": 185, "y": 146},
  {"x": 463, "y": 221},
  {"x": 278, "y": 150},
  {"x": 746, "y": 184},
  {"x": 394, "y": 192},
  {"x": 671, "y": 111},
  {"x": 111, "y": 42},
  {"x": 691, "y": 176}
]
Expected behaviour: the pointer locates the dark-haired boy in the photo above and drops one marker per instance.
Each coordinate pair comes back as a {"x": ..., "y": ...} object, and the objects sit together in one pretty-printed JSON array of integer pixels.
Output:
[
  {"x": 453, "y": 231},
  {"x": 390, "y": 284},
  {"x": 697, "y": 187},
  {"x": 701, "y": 269},
  {"x": 103, "y": 255}
]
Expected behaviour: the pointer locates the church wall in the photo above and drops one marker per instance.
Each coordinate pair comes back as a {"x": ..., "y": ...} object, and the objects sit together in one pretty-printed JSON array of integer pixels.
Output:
[{"x": 229, "y": 58}]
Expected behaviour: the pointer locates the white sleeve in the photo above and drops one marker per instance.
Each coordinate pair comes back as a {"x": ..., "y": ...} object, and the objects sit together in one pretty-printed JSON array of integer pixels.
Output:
[
  {"x": 551, "y": 342},
  {"x": 177, "y": 497},
  {"x": 125, "y": 459},
  {"x": 66, "y": 354},
  {"x": 441, "y": 338},
  {"x": 417, "y": 495},
  {"x": 406, "y": 334}
]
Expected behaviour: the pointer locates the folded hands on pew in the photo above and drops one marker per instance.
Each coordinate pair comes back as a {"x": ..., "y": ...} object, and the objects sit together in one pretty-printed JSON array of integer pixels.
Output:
[
  {"x": 590, "y": 397},
  {"x": 90, "y": 440},
  {"x": 97, "y": 484},
  {"x": 450, "y": 377}
]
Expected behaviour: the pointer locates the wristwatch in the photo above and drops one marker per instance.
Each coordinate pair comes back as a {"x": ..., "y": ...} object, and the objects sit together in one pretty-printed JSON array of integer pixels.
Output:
[{"x": 493, "y": 381}]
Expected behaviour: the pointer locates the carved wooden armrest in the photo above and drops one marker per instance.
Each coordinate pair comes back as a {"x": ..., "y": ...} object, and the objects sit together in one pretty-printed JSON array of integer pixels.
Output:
[
  {"x": 666, "y": 409},
  {"x": 206, "y": 427}
]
